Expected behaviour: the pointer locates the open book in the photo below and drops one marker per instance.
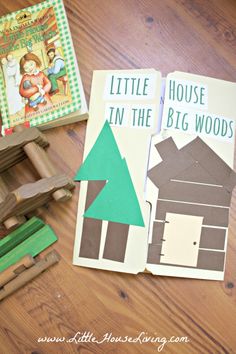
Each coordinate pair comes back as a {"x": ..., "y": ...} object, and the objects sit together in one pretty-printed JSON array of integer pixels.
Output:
[
  {"x": 40, "y": 84},
  {"x": 157, "y": 175}
]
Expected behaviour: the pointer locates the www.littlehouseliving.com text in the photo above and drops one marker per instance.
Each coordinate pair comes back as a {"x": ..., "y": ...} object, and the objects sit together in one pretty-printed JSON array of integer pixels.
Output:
[{"x": 109, "y": 337}]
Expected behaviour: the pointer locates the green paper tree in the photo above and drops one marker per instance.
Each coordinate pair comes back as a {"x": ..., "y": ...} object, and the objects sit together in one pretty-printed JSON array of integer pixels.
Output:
[{"x": 117, "y": 202}]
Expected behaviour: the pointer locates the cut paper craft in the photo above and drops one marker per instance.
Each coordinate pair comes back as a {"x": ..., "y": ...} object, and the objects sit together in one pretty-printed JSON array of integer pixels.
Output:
[
  {"x": 91, "y": 234},
  {"x": 176, "y": 140},
  {"x": 181, "y": 230},
  {"x": 103, "y": 158},
  {"x": 191, "y": 213},
  {"x": 213, "y": 238},
  {"x": 116, "y": 240},
  {"x": 117, "y": 202}
]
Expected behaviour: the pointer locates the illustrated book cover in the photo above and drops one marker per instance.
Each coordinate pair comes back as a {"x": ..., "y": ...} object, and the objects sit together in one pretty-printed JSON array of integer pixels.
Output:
[
  {"x": 157, "y": 176},
  {"x": 40, "y": 83}
]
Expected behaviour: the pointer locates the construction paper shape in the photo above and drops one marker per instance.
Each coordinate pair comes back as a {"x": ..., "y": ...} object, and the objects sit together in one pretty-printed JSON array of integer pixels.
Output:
[
  {"x": 194, "y": 192},
  {"x": 215, "y": 216},
  {"x": 116, "y": 242},
  {"x": 92, "y": 228},
  {"x": 182, "y": 237},
  {"x": 213, "y": 238},
  {"x": 117, "y": 202},
  {"x": 211, "y": 260},
  {"x": 103, "y": 158}
]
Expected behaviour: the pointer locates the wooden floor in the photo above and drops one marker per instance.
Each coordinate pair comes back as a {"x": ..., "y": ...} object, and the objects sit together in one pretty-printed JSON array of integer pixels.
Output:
[{"x": 197, "y": 36}]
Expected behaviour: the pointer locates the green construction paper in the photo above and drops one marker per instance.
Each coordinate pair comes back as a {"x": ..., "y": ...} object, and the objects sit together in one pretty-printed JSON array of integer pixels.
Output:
[
  {"x": 102, "y": 158},
  {"x": 117, "y": 202},
  {"x": 33, "y": 245}
]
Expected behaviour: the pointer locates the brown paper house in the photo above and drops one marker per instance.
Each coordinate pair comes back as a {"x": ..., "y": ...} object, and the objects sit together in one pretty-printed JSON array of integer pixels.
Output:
[{"x": 194, "y": 181}]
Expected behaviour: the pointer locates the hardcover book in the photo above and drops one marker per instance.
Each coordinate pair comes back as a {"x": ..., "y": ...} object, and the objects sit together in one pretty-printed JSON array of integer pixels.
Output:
[
  {"x": 40, "y": 83},
  {"x": 157, "y": 176}
]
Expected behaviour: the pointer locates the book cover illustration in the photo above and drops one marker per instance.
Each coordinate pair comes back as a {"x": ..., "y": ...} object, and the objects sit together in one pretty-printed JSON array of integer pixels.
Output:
[
  {"x": 38, "y": 81},
  {"x": 170, "y": 167}
]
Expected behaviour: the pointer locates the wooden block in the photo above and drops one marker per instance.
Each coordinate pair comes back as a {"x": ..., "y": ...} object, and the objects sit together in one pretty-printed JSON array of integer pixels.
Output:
[
  {"x": 17, "y": 268},
  {"x": 3, "y": 189},
  {"x": 11, "y": 146},
  {"x": 42, "y": 163},
  {"x": 29, "y": 274},
  {"x": 29, "y": 142},
  {"x": 13, "y": 221},
  {"x": 33, "y": 245},
  {"x": 33, "y": 195},
  {"x": 19, "y": 235}
]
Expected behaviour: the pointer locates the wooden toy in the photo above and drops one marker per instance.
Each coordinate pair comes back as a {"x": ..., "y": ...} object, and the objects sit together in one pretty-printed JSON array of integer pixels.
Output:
[
  {"x": 14, "y": 220},
  {"x": 28, "y": 274},
  {"x": 33, "y": 244},
  {"x": 20, "y": 234},
  {"x": 12, "y": 271},
  {"x": 15, "y": 205}
]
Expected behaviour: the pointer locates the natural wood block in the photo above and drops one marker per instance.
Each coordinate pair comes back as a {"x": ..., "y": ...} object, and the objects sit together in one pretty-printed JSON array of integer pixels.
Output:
[
  {"x": 43, "y": 165},
  {"x": 29, "y": 142},
  {"x": 29, "y": 274},
  {"x": 11, "y": 146},
  {"x": 13, "y": 221},
  {"x": 33, "y": 195},
  {"x": 17, "y": 268}
]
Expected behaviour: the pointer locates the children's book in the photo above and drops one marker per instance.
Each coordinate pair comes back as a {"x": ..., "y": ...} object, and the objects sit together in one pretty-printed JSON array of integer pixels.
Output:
[
  {"x": 40, "y": 83},
  {"x": 157, "y": 176}
]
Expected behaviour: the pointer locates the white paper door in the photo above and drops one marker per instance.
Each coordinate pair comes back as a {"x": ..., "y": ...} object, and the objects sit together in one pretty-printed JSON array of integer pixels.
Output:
[{"x": 182, "y": 238}]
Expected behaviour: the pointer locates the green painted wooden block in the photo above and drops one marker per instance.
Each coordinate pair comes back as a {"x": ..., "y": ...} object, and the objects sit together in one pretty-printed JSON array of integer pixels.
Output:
[
  {"x": 33, "y": 245},
  {"x": 20, "y": 234}
]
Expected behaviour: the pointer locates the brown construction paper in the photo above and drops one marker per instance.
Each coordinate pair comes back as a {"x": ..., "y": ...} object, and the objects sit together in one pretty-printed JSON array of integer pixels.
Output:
[
  {"x": 154, "y": 253},
  {"x": 196, "y": 173},
  {"x": 170, "y": 168},
  {"x": 116, "y": 240},
  {"x": 91, "y": 238},
  {"x": 212, "y": 260},
  {"x": 195, "y": 193},
  {"x": 158, "y": 231},
  {"x": 166, "y": 148},
  {"x": 91, "y": 234},
  {"x": 93, "y": 189},
  {"x": 212, "y": 215},
  {"x": 213, "y": 238},
  {"x": 209, "y": 160}
]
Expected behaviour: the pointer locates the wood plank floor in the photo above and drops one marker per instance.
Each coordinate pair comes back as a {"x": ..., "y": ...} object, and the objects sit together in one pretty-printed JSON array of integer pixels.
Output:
[{"x": 196, "y": 36}]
